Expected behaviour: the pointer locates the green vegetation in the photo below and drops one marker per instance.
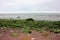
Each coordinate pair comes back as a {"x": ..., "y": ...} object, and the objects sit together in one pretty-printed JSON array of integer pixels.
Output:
[
  {"x": 31, "y": 24},
  {"x": 14, "y": 34},
  {"x": 26, "y": 30}
]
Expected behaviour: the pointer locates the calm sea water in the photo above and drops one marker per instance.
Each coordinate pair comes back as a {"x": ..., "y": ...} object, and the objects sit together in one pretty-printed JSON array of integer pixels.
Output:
[{"x": 34, "y": 16}]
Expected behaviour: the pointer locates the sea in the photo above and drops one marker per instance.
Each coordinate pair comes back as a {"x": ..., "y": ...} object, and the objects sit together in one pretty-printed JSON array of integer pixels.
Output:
[{"x": 35, "y": 16}]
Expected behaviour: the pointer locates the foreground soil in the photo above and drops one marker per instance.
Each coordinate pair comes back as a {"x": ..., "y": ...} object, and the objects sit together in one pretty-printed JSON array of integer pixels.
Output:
[{"x": 5, "y": 34}]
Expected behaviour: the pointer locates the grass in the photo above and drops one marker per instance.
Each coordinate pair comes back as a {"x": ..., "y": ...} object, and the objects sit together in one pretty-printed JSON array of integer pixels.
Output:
[
  {"x": 26, "y": 29},
  {"x": 14, "y": 34},
  {"x": 29, "y": 24}
]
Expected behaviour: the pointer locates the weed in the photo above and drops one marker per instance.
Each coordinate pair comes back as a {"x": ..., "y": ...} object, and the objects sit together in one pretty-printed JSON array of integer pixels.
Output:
[
  {"x": 31, "y": 23},
  {"x": 14, "y": 34}
]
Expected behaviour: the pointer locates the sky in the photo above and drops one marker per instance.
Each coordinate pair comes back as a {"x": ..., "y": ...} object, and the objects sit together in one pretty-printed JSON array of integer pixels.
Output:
[{"x": 29, "y": 6}]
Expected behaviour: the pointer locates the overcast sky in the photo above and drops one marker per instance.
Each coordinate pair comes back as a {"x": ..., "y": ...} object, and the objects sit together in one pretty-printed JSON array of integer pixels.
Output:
[{"x": 29, "y": 5}]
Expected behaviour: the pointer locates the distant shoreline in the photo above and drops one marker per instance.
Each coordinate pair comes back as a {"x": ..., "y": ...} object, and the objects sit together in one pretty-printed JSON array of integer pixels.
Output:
[{"x": 38, "y": 14}]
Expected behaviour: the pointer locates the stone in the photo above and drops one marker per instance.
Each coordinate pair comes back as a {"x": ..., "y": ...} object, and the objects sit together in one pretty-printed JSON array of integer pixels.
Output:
[
  {"x": 11, "y": 30},
  {"x": 4, "y": 27},
  {"x": 32, "y": 38},
  {"x": 1, "y": 28}
]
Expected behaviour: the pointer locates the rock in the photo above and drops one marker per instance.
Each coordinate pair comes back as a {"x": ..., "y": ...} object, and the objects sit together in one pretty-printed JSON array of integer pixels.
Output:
[
  {"x": 11, "y": 30},
  {"x": 4, "y": 27},
  {"x": 1, "y": 28},
  {"x": 32, "y": 38}
]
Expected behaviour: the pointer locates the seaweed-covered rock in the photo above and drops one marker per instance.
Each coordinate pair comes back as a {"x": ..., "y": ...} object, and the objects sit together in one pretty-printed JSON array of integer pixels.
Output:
[{"x": 29, "y": 19}]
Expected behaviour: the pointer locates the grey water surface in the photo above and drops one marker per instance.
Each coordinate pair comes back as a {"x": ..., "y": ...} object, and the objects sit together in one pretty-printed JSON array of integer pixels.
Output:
[{"x": 36, "y": 16}]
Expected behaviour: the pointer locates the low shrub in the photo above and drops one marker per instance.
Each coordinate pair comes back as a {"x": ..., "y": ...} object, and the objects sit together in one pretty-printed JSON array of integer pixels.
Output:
[{"x": 29, "y": 24}]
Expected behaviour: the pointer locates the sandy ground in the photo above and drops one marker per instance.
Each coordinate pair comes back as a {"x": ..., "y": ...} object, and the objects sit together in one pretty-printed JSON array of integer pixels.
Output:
[{"x": 5, "y": 35}]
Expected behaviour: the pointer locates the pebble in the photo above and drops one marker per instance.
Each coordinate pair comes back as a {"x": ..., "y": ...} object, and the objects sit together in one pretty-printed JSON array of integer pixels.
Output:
[
  {"x": 1, "y": 28},
  {"x": 11, "y": 30},
  {"x": 32, "y": 38},
  {"x": 4, "y": 27}
]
